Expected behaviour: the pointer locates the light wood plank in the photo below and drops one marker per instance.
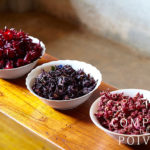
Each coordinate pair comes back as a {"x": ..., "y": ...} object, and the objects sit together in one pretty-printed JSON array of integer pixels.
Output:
[{"x": 15, "y": 137}]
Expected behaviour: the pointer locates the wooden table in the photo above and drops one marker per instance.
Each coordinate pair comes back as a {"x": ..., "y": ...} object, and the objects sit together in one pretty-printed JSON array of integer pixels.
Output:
[{"x": 70, "y": 129}]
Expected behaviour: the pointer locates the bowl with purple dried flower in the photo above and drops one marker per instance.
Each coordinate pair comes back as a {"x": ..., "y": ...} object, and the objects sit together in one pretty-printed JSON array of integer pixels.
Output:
[
  {"x": 64, "y": 84},
  {"x": 124, "y": 114},
  {"x": 19, "y": 53}
]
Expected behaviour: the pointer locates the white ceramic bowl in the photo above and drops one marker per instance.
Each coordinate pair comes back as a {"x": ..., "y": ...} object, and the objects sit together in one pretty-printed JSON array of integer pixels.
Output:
[
  {"x": 21, "y": 71},
  {"x": 122, "y": 138},
  {"x": 64, "y": 104}
]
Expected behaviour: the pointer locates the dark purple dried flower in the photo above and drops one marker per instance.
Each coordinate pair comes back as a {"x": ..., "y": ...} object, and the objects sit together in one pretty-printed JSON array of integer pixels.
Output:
[{"x": 63, "y": 83}]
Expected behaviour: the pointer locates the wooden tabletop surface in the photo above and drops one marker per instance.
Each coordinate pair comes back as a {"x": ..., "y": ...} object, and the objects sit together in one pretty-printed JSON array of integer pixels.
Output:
[{"x": 70, "y": 129}]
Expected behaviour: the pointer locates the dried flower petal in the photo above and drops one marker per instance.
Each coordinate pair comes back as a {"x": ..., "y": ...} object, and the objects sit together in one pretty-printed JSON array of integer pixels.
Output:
[
  {"x": 17, "y": 49},
  {"x": 124, "y": 114},
  {"x": 63, "y": 83}
]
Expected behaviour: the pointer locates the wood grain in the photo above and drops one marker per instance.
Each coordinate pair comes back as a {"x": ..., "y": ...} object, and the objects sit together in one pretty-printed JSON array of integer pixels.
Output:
[
  {"x": 15, "y": 137},
  {"x": 71, "y": 129}
]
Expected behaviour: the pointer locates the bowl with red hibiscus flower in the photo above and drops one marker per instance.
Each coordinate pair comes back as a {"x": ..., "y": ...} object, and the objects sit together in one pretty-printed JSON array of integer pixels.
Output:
[
  {"x": 124, "y": 115},
  {"x": 19, "y": 53}
]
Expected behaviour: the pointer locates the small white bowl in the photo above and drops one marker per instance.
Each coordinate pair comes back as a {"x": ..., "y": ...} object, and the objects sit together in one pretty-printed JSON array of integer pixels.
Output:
[
  {"x": 122, "y": 138},
  {"x": 64, "y": 104},
  {"x": 21, "y": 71}
]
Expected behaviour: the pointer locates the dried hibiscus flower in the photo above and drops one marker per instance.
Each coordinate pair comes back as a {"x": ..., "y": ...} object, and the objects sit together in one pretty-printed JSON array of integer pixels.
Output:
[
  {"x": 124, "y": 114},
  {"x": 17, "y": 49},
  {"x": 63, "y": 83}
]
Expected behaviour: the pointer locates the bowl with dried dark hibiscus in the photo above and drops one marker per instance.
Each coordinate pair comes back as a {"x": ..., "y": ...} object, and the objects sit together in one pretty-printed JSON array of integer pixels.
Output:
[
  {"x": 124, "y": 114},
  {"x": 19, "y": 53},
  {"x": 64, "y": 84}
]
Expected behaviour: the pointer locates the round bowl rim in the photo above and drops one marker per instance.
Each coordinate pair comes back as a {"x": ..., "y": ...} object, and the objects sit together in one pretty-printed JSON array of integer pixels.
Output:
[
  {"x": 106, "y": 130},
  {"x": 43, "y": 52},
  {"x": 59, "y": 101}
]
